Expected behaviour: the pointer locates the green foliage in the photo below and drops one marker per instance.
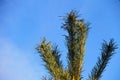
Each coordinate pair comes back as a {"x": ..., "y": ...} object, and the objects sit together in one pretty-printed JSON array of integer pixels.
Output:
[
  {"x": 51, "y": 56},
  {"x": 106, "y": 53},
  {"x": 77, "y": 31},
  {"x": 76, "y": 39}
]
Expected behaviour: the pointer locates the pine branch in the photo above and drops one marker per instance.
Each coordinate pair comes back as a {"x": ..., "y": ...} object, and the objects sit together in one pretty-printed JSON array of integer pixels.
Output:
[
  {"x": 50, "y": 55},
  {"x": 76, "y": 39},
  {"x": 107, "y": 51},
  {"x": 77, "y": 31}
]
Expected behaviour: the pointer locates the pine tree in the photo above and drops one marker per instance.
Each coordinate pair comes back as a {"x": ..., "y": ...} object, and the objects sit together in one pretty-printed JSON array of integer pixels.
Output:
[{"x": 77, "y": 31}]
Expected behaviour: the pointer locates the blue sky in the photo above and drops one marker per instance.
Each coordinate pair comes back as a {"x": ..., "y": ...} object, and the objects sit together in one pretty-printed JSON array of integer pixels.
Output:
[{"x": 24, "y": 22}]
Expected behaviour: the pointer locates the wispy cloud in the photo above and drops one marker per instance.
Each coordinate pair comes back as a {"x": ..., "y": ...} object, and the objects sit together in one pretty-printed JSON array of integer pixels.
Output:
[{"x": 14, "y": 64}]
